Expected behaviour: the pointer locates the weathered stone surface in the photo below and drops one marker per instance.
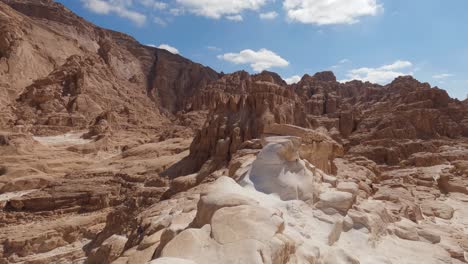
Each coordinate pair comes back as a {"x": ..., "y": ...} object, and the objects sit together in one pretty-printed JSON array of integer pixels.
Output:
[
  {"x": 350, "y": 187},
  {"x": 278, "y": 169},
  {"x": 74, "y": 71},
  {"x": 436, "y": 208},
  {"x": 210, "y": 204},
  {"x": 109, "y": 251},
  {"x": 257, "y": 223},
  {"x": 341, "y": 201},
  {"x": 355, "y": 173},
  {"x": 171, "y": 261},
  {"x": 317, "y": 148}
]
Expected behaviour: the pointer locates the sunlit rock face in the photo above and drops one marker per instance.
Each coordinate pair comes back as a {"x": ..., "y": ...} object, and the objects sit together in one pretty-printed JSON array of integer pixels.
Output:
[
  {"x": 270, "y": 216},
  {"x": 316, "y": 172},
  {"x": 278, "y": 169}
]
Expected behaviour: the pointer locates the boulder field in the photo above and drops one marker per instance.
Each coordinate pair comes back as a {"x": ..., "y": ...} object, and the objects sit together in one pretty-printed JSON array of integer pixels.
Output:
[{"x": 116, "y": 152}]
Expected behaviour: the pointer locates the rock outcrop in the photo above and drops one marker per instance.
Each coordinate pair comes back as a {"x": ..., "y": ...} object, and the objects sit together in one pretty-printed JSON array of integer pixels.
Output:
[
  {"x": 355, "y": 114},
  {"x": 264, "y": 223},
  {"x": 175, "y": 163},
  {"x": 63, "y": 72}
]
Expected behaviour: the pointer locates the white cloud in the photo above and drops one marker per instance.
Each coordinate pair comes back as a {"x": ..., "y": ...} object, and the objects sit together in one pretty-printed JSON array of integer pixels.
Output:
[
  {"x": 327, "y": 12},
  {"x": 160, "y": 21},
  {"x": 169, "y": 48},
  {"x": 219, "y": 8},
  {"x": 213, "y": 48},
  {"x": 442, "y": 76},
  {"x": 340, "y": 63},
  {"x": 154, "y": 4},
  {"x": 176, "y": 11},
  {"x": 343, "y": 61},
  {"x": 269, "y": 15},
  {"x": 151, "y": 45},
  {"x": 120, "y": 8},
  {"x": 399, "y": 64},
  {"x": 293, "y": 79},
  {"x": 258, "y": 60},
  {"x": 236, "y": 18},
  {"x": 381, "y": 75}
]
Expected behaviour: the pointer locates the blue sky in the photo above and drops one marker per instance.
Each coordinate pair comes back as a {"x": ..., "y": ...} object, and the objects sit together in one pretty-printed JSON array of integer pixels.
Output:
[{"x": 373, "y": 40}]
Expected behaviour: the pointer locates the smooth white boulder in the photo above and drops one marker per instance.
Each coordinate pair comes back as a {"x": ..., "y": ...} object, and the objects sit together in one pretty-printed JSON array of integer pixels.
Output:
[
  {"x": 341, "y": 201},
  {"x": 231, "y": 224},
  {"x": 350, "y": 187},
  {"x": 171, "y": 261},
  {"x": 209, "y": 204},
  {"x": 279, "y": 170}
]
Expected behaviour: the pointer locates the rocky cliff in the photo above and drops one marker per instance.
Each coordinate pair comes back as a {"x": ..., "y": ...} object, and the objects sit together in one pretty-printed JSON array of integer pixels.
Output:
[
  {"x": 386, "y": 124},
  {"x": 116, "y": 152},
  {"x": 59, "y": 72}
]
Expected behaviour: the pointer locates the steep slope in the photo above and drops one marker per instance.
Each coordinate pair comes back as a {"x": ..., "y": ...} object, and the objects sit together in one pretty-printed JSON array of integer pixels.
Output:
[
  {"x": 315, "y": 172},
  {"x": 387, "y": 124},
  {"x": 82, "y": 70}
]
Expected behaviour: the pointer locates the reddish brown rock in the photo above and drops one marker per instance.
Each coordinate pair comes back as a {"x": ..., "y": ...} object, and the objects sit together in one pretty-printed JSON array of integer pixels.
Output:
[{"x": 127, "y": 190}]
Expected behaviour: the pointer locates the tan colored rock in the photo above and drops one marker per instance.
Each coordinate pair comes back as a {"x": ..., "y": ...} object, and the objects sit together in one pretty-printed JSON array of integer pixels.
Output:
[
  {"x": 429, "y": 235},
  {"x": 279, "y": 170},
  {"x": 338, "y": 256},
  {"x": 171, "y": 261},
  {"x": 131, "y": 191},
  {"x": 406, "y": 229},
  {"x": 109, "y": 251},
  {"x": 26, "y": 183},
  {"x": 438, "y": 209},
  {"x": 330, "y": 179},
  {"x": 227, "y": 227},
  {"x": 317, "y": 148},
  {"x": 350, "y": 187},
  {"x": 211, "y": 203},
  {"x": 341, "y": 201},
  {"x": 196, "y": 245},
  {"x": 150, "y": 240}
]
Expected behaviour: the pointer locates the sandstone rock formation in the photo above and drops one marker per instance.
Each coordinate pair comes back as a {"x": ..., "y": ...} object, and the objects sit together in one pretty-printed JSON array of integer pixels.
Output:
[
  {"x": 63, "y": 72},
  {"x": 116, "y": 152},
  {"x": 355, "y": 114}
]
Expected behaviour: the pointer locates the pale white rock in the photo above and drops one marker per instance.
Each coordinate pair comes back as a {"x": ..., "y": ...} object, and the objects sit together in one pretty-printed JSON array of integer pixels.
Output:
[
  {"x": 350, "y": 187},
  {"x": 171, "y": 261},
  {"x": 330, "y": 180},
  {"x": 390, "y": 249},
  {"x": 279, "y": 170},
  {"x": 452, "y": 247},
  {"x": 438, "y": 209},
  {"x": 429, "y": 235},
  {"x": 109, "y": 251},
  {"x": 341, "y": 201},
  {"x": 197, "y": 245},
  {"x": 348, "y": 223},
  {"x": 405, "y": 229},
  {"x": 150, "y": 240},
  {"x": 245, "y": 222},
  {"x": 26, "y": 183},
  {"x": 209, "y": 204},
  {"x": 338, "y": 256},
  {"x": 314, "y": 146},
  {"x": 335, "y": 232}
]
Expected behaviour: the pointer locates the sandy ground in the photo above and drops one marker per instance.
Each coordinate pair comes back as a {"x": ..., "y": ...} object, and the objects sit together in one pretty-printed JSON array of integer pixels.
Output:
[{"x": 72, "y": 138}]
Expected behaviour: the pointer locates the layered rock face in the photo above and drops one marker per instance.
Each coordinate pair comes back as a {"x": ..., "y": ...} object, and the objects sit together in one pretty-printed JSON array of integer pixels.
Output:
[
  {"x": 285, "y": 210},
  {"x": 99, "y": 162},
  {"x": 386, "y": 124},
  {"x": 63, "y": 72}
]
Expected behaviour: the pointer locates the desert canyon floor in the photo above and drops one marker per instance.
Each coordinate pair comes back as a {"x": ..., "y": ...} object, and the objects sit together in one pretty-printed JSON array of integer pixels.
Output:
[{"x": 116, "y": 152}]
